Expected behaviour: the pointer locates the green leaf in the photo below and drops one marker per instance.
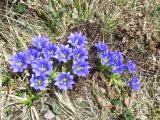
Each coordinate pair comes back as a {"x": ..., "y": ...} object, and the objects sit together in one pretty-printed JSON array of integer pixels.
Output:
[
  {"x": 122, "y": 2},
  {"x": 141, "y": 50},
  {"x": 18, "y": 44},
  {"x": 116, "y": 80},
  {"x": 8, "y": 112},
  {"x": 19, "y": 93},
  {"x": 158, "y": 10},
  {"x": 64, "y": 69},
  {"x": 25, "y": 102},
  {"x": 6, "y": 79},
  {"x": 128, "y": 115},
  {"x": 54, "y": 3},
  {"x": 53, "y": 74},
  {"x": 54, "y": 14},
  {"x": 56, "y": 108},
  {"x": 21, "y": 8},
  {"x": 115, "y": 102}
]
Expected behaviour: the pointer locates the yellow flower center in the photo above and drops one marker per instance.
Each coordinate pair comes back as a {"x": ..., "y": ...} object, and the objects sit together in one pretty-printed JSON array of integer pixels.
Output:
[
  {"x": 39, "y": 82},
  {"x": 114, "y": 67},
  {"x": 79, "y": 68},
  {"x": 63, "y": 55},
  {"x": 106, "y": 60},
  {"x": 65, "y": 80},
  {"x": 43, "y": 68},
  {"x": 19, "y": 64}
]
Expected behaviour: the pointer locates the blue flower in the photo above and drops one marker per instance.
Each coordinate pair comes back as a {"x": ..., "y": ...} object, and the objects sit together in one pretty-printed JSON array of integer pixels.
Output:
[
  {"x": 101, "y": 47},
  {"x": 18, "y": 62},
  {"x": 63, "y": 53},
  {"x": 117, "y": 56},
  {"x": 80, "y": 68},
  {"x": 80, "y": 53},
  {"x": 130, "y": 66},
  {"x": 134, "y": 83},
  {"x": 117, "y": 67},
  {"x": 31, "y": 55},
  {"x": 38, "y": 82},
  {"x": 42, "y": 67},
  {"x": 64, "y": 81},
  {"x": 77, "y": 39},
  {"x": 106, "y": 58},
  {"x": 40, "y": 41},
  {"x": 49, "y": 51}
]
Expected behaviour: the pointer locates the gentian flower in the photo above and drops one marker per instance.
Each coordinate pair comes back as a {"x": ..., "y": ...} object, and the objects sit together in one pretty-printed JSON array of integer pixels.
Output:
[
  {"x": 80, "y": 68},
  {"x": 18, "y": 62},
  {"x": 101, "y": 47},
  {"x": 49, "y": 51},
  {"x": 134, "y": 83},
  {"x": 117, "y": 56},
  {"x": 117, "y": 67},
  {"x": 38, "y": 82},
  {"x": 63, "y": 53},
  {"x": 106, "y": 58},
  {"x": 80, "y": 53},
  {"x": 64, "y": 81},
  {"x": 42, "y": 67},
  {"x": 40, "y": 41},
  {"x": 130, "y": 66},
  {"x": 77, "y": 39},
  {"x": 31, "y": 55}
]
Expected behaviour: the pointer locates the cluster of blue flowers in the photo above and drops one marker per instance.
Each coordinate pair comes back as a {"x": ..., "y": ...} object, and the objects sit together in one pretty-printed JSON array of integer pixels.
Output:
[
  {"x": 115, "y": 62},
  {"x": 41, "y": 55}
]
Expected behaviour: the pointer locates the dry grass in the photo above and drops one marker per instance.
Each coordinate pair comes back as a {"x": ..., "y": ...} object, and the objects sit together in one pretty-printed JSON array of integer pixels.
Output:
[{"x": 16, "y": 31}]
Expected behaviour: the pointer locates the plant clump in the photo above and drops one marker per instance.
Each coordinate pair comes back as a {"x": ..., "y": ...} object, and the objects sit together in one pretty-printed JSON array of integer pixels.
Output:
[{"x": 64, "y": 63}]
